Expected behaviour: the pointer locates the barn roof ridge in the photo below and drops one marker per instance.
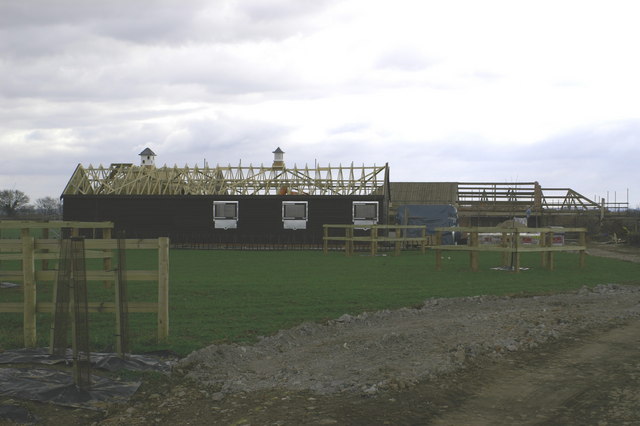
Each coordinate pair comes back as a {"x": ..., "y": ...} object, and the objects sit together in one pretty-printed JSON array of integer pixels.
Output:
[{"x": 129, "y": 179}]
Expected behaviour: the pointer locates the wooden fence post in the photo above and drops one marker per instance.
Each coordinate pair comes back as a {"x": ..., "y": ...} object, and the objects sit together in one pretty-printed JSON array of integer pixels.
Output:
[
  {"x": 473, "y": 253},
  {"x": 504, "y": 242},
  {"x": 550, "y": 257},
  {"x": 107, "y": 264},
  {"x": 438, "y": 251},
  {"x": 29, "y": 285},
  {"x": 543, "y": 254},
  {"x": 121, "y": 300},
  {"x": 44, "y": 262},
  {"x": 374, "y": 240},
  {"x": 516, "y": 255},
  {"x": 583, "y": 242},
  {"x": 325, "y": 240},
  {"x": 163, "y": 288}
]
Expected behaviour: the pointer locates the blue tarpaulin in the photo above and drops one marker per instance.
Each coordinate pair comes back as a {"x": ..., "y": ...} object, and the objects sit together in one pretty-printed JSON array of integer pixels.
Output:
[{"x": 433, "y": 216}]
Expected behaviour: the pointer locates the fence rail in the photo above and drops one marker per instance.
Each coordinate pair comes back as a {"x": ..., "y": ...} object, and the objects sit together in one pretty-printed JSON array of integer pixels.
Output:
[
  {"x": 510, "y": 244},
  {"x": 374, "y": 238},
  {"x": 28, "y": 250}
]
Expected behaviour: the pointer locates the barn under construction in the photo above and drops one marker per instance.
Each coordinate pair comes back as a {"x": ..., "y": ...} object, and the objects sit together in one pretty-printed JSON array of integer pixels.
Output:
[
  {"x": 228, "y": 204},
  {"x": 278, "y": 205},
  {"x": 489, "y": 203}
]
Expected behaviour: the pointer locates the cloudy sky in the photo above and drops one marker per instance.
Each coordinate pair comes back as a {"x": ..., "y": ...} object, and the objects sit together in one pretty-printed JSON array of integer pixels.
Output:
[{"x": 469, "y": 91}]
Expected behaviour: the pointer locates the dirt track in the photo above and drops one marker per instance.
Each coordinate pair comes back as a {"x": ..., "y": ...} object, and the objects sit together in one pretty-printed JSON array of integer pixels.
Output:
[
  {"x": 558, "y": 359},
  {"x": 593, "y": 379}
]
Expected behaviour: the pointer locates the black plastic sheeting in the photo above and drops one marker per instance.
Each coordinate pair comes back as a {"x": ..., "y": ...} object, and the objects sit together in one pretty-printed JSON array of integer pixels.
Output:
[
  {"x": 103, "y": 361},
  {"x": 16, "y": 414},
  {"x": 433, "y": 216},
  {"x": 57, "y": 386}
]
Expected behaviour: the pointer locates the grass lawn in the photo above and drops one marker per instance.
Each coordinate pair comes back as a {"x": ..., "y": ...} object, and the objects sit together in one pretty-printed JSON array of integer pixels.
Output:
[{"x": 233, "y": 296}]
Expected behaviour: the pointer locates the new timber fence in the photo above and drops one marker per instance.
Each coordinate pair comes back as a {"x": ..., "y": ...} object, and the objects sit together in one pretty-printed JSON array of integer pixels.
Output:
[
  {"x": 511, "y": 242},
  {"x": 27, "y": 250},
  {"x": 399, "y": 238}
]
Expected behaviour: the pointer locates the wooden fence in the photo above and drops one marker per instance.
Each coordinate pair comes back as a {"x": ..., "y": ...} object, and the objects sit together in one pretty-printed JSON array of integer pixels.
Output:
[
  {"x": 28, "y": 249},
  {"x": 399, "y": 239},
  {"x": 510, "y": 244}
]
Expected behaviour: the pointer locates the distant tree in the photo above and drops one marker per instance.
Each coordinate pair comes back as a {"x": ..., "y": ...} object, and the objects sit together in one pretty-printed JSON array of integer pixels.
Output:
[
  {"x": 49, "y": 207},
  {"x": 12, "y": 200}
]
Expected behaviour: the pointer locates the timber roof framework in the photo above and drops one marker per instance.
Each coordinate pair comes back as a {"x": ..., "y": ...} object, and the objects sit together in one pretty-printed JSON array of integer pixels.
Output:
[
  {"x": 498, "y": 197},
  {"x": 128, "y": 179}
]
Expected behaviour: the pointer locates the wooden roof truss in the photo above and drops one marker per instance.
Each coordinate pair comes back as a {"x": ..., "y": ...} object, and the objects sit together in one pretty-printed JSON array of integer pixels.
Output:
[
  {"x": 127, "y": 179},
  {"x": 499, "y": 196}
]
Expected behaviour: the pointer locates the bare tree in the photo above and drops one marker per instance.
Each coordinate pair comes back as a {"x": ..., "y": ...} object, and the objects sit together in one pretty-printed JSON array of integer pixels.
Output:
[
  {"x": 12, "y": 200},
  {"x": 49, "y": 207}
]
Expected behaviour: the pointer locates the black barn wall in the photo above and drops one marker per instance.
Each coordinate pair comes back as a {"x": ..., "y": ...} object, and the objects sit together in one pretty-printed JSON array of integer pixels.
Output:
[{"x": 189, "y": 218}]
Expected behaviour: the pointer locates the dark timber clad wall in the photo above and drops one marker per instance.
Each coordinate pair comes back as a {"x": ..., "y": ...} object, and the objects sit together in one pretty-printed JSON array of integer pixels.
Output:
[{"x": 190, "y": 218}]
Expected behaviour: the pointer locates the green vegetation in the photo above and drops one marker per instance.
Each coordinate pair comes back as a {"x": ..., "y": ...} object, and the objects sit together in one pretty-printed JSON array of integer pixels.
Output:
[{"x": 235, "y": 296}]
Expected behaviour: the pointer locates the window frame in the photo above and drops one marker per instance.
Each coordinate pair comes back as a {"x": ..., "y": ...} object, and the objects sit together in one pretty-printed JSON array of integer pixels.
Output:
[
  {"x": 365, "y": 220},
  {"x": 226, "y": 222},
  {"x": 295, "y": 222}
]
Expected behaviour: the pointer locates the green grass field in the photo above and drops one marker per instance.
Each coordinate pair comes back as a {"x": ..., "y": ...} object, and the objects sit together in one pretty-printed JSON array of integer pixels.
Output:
[{"x": 235, "y": 296}]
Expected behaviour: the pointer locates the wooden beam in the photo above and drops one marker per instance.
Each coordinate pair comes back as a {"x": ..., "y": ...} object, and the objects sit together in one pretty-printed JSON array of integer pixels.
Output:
[
  {"x": 94, "y": 307},
  {"x": 252, "y": 180},
  {"x": 29, "y": 291},
  {"x": 473, "y": 254},
  {"x": 54, "y": 224},
  {"x": 163, "y": 288}
]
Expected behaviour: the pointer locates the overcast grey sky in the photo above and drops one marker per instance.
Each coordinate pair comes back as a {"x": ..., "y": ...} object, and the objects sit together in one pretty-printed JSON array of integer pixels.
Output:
[{"x": 500, "y": 91}]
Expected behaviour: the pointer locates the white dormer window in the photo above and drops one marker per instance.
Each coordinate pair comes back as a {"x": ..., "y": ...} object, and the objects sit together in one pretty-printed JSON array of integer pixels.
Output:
[
  {"x": 365, "y": 212},
  {"x": 295, "y": 214},
  {"x": 225, "y": 214}
]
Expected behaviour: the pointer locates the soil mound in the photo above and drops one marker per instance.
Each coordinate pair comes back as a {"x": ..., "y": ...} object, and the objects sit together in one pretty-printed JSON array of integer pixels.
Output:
[{"x": 390, "y": 350}]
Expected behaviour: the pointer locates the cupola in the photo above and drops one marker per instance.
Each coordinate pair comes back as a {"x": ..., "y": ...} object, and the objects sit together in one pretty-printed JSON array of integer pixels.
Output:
[
  {"x": 278, "y": 159},
  {"x": 147, "y": 158}
]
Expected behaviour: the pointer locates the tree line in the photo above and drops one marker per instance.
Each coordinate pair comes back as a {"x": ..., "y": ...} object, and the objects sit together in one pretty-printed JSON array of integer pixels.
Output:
[{"x": 15, "y": 204}]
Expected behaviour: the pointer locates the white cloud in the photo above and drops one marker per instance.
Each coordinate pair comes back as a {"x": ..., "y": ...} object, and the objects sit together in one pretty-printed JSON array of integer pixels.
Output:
[{"x": 460, "y": 90}]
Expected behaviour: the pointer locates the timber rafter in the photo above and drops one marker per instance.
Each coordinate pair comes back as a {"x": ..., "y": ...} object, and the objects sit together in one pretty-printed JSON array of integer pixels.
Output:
[
  {"x": 127, "y": 179},
  {"x": 520, "y": 196}
]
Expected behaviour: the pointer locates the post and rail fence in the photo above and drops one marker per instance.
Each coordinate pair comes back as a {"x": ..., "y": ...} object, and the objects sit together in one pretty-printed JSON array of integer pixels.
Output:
[
  {"x": 28, "y": 250},
  {"x": 399, "y": 238},
  {"x": 511, "y": 243}
]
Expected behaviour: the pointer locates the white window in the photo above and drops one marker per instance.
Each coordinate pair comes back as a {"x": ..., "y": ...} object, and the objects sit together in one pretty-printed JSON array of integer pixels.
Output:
[
  {"x": 365, "y": 212},
  {"x": 225, "y": 214},
  {"x": 295, "y": 214}
]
